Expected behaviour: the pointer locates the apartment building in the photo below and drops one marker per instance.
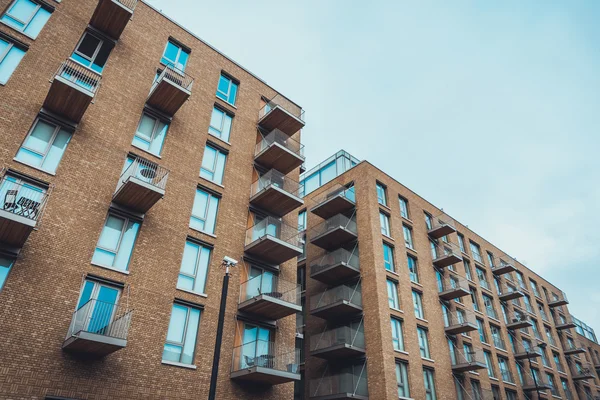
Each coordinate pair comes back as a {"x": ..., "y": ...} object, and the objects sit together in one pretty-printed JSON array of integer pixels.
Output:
[
  {"x": 589, "y": 363},
  {"x": 134, "y": 158},
  {"x": 402, "y": 301}
]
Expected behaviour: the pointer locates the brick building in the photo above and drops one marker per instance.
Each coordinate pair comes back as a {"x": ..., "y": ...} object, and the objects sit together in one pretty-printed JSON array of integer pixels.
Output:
[{"x": 135, "y": 157}]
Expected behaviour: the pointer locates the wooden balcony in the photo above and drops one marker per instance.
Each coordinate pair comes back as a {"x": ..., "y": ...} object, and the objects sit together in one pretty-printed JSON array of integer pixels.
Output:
[
  {"x": 441, "y": 225},
  {"x": 141, "y": 185},
  {"x": 270, "y": 298},
  {"x": 282, "y": 115},
  {"x": 72, "y": 90},
  {"x": 275, "y": 193},
  {"x": 334, "y": 267},
  {"x": 170, "y": 90},
  {"x": 280, "y": 152},
  {"x": 338, "y": 344},
  {"x": 273, "y": 241},
  {"x": 333, "y": 233},
  {"x": 112, "y": 16},
  {"x": 339, "y": 200}
]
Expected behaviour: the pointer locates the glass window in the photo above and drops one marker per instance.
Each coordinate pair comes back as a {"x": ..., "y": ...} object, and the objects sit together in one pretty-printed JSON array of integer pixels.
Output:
[
  {"x": 403, "y": 207},
  {"x": 388, "y": 257},
  {"x": 413, "y": 270},
  {"x": 467, "y": 265},
  {"x": 182, "y": 333},
  {"x": 418, "y": 304},
  {"x": 402, "y": 379},
  {"x": 474, "y": 299},
  {"x": 496, "y": 393},
  {"x": 397, "y": 336},
  {"x": 10, "y": 57},
  {"x": 489, "y": 364},
  {"x": 384, "y": 220},
  {"x": 510, "y": 395},
  {"x": 302, "y": 220},
  {"x": 504, "y": 370},
  {"x": 392, "y": 290},
  {"x": 44, "y": 146},
  {"x": 92, "y": 52},
  {"x": 220, "y": 124},
  {"x": 213, "y": 164},
  {"x": 175, "y": 56},
  {"x": 194, "y": 268},
  {"x": 204, "y": 212},
  {"x": 5, "y": 266},
  {"x": 408, "y": 239},
  {"x": 227, "y": 89},
  {"x": 549, "y": 335},
  {"x": 461, "y": 242},
  {"x": 497, "y": 337},
  {"x": 460, "y": 388},
  {"x": 428, "y": 221},
  {"x": 429, "y": 381},
  {"x": 423, "y": 342},
  {"x": 534, "y": 288},
  {"x": 476, "y": 252},
  {"x": 150, "y": 134},
  {"x": 490, "y": 258},
  {"x": 381, "y": 194},
  {"x": 116, "y": 242},
  {"x": 481, "y": 330},
  {"x": 476, "y": 390},
  {"x": 26, "y": 16},
  {"x": 481, "y": 276}
]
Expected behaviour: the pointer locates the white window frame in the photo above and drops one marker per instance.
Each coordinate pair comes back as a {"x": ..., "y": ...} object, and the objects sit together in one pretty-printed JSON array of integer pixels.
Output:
[
  {"x": 155, "y": 131},
  {"x": 384, "y": 220},
  {"x": 207, "y": 211},
  {"x": 57, "y": 129},
  {"x": 397, "y": 328},
  {"x": 197, "y": 267},
  {"x": 25, "y": 23},
  {"x": 393, "y": 287},
  {"x": 418, "y": 304},
  {"x": 214, "y": 166},
  {"x": 408, "y": 238},
  {"x": 231, "y": 81},
  {"x": 220, "y": 129}
]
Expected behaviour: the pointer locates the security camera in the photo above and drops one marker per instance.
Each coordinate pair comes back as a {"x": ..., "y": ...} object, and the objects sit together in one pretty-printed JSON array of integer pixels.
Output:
[{"x": 230, "y": 262}]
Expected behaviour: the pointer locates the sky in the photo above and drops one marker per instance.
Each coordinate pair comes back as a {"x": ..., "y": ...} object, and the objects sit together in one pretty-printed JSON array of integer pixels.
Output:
[{"x": 490, "y": 110}]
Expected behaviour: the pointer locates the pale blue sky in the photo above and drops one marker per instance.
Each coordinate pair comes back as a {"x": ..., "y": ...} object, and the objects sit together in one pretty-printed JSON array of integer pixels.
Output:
[{"x": 490, "y": 110}]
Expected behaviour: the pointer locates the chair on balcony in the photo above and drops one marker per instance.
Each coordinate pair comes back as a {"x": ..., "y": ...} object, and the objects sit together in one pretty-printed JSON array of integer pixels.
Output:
[
  {"x": 10, "y": 200},
  {"x": 29, "y": 207}
]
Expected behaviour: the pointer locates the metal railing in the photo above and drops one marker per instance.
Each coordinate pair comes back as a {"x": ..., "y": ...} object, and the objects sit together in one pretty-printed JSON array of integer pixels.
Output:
[
  {"x": 276, "y": 179},
  {"x": 275, "y": 228},
  {"x": 265, "y": 354},
  {"x": 334, "y": 222},
  {"x": 335, "y": 257},
  {"x": 284, "y": 104},
  {"x": 129, "y": 4},
  {"x": 336, "y": 336},
  {"x": 441, "y": 221},
  {"x": 336, "y": 190},
  {"x": 23, "y": 199},
  {"x": 101, "y": 318},
  {"x": 503, "y": 261},
  {"x": 551, "y": 298},
  {"x": 582, "y": 369},
  {"x": 518, "y": 315},
  {"x": 454, "y": 317},
  {"x": 336, "y": 384},
  {"x": 444, "y": 249},
  {"x": 523, "y": 347},
  {"x": 146, "y": 171},
  {"x": 561, "y": 319},
  {"x": 82, "y": 76},
  {"x": 351, "y": 294},
  {"x": 271, "y": 286},
  {"x": 176, "y": 76},
  {"x": 278, "y": 137},
  {"x": 453, "y": 283},
  {"x": 504, "y": 287},
  {"x": 572, "y": 344},
  {"x": 472, "y": 356}
]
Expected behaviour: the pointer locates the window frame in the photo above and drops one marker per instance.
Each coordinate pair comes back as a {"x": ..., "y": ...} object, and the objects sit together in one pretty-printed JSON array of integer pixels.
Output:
[
  {"x": 197, "y": 266},
  {"x": 397, "y": 328},
  {"x": 57, "y": 129},
  {"x": 10, "y": 44},
  {"x": 415, "y": 263},
  {"x": 423, "y": 340},
  {"x": 181, "y": 49},
  {"x": 393, "y": 286},
  {"x": 226, "y": 96},
  {"x": 39, "y": 5},
  {"x": 403, "y": 384},
  {"x": 185, "y": 334},
  {"x": 408, "y": 241},
  {"x": 218, "y": 151},
  {"x": 210, "y": 195},
  {"x": 404, "y": 211},
  {"x": 11, "y": 262},
  {"x": 390, "y": 253},
  {"x": 155, "y": 131},
  {"x": 384, "y": 222},
  {"x": 418, "y": 304},
  {"x": 126, "y": 220},
  {"x": 101, "y": 42},
  {"x": 226, "y": 114},
  {"x": 429, "y": 383},
  {"x": 381, "y": 193}
]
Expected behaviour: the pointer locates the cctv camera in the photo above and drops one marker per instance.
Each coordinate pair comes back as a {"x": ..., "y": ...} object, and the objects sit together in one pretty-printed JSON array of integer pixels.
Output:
[{"x": 229, "y": 261}]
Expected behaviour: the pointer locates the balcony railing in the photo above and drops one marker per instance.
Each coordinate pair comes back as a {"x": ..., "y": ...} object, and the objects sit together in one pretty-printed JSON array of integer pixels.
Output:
[
  {"x": 504, "y": 265},
  {"x": 98, "y": 328},
  {"x": 269, "y": 296},
  {"x": 337, "y": 200},
  {"x": 170, "y": 90},
  {"x": 557, "y": 300},
  {"x": 276, "y": 193},
  {"x": 563, "y": 322},
  {"x": 453, "y": 287},
  {"x": 517, "y": 319},
  {"x": 470, "y": 360},
  {"x": 441, "y": 225},
  {"x": 338, "y": 343},
  {"x": 340, "y": 386},
  {"x": 506, "y": 291},
  {"x": 334, "y": 232},
  {"x": 141, "y": 185},
  {"x": 337, "y": 302},
  {"x": 278, "y": 151},
  {"x": 273, "y": 240},
  {"x": 265, "y": 362},
  {"x": 531, "y": 384},
  {"x": 112, "y": 16},
  {"x": 335, "y": 266},
  {"x": 446, "y": 254},
  {"x": 456, "y": 321},
  {"x": 571, "y": 347},
  {"x": 525, "y": 350},
  {"x": 582, "y": 371},
  {"x": 280, "y": 113}
]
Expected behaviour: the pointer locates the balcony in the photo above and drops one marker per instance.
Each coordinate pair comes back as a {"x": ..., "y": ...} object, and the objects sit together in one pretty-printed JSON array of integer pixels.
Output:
[
  {"x": 582, "y": 371},
  {"x": 72, "y": 90},
  {"x": 441, "y": 225},
  {"x": 276, "y": 193},
  {"x": 558, "y": 300},
  {"x": 468, "y": 361},
  {"x": 336, "y": 266},
  {"x": 278, "y": 151},
  {"x": 507, "y": 292},
  {"x": 23, "y": 205},
  {"x": 453, "y": 287},
  {"x": 504, "y": 265},
  {"x": 112, "y": 16},
  {"x": 342, "y": 386},
  {"x": 531, "y": 384},
  {"x": 333, "y": 233},
  {"x": 338, "y": 200},
  {"x": 141, "y": 185},
  {"x": 338, "y": 302},
  {"x": 518, "y": 319},
  {"x": 264, "y": 363},
  {"x": 268, "y": 296},
  {"x": 170, "y": 90},
  {"x": 456, "y": 322},
  {"x": 563, "y": 322},
  {"x": 98, "y": 329},
  {"x": 281, "y": 114},
  {"x": 446, "y": 254},
  {"x": 338, "y": 343},
  {"x": 572, "y": 347},
  {"x": 273, "y": 241},
  {"x": 523, "y": 350}
]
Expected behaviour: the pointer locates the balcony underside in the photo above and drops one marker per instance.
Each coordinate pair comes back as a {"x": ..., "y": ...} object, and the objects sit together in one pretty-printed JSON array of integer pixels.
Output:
[
  {"x": 14, "y": 229},
  {"x": 566, "y": 325},
  {"x": 518, "y": 324},
  {"x": 460, "y": 328},
  {"x": 68, "y": 99},
  {"x": 138, "y": 195},
  {"x": 338, "y": 352},
  {"x": 532, "y": 387},
  {"x": 168, "y": 96},
  {"x": 524, "y": 355},
  {"x": 111, "y": 18},
  {"x": 266, "y": 376},
  {"x": 503, "y": 269},
  {"x": 510, "y": 295},
  {"x": 441, "y": 231},
  {"x": 278, "y": 118},
  {"x": 334, "y": 238},
  {"x": 338, "y": 310},
  {"x": 583, "y": 376},
  {"x": 93, "y": 344},
  {"x": 558, "y": 303},
  {"x": 340, "y": 396},
  {"x": 275, "y": 200},
  {"x": 570, "y": 352},
  {"x": 335, "y": 205},
  {"x": 272, "y": 250},
  {"x": 446, "y": 260},
  {"x": 269, "y": 307},
  {"x": 279, "y": 158},
  {"x": 453, "y": 293},
  {"x": 336, "y": 273},
  {"x": 464, "y": 367}
]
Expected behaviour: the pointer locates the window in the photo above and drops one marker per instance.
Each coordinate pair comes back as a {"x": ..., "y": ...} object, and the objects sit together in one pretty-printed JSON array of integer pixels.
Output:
[
  {"x": 10, "y": 57},
  {"x": 194, "y": 267},
  {"x": 392, "y": 290},
  {"x": 542, "y": 311},
  {"x": 534, "y": 327},
  {"x": 474, "y": 299},
  {"x": 402, "y": 379},
  {"x": 150, "y": 134},
  {"x": 496, "y": 393},
  {"x": 413, "y": 269},
  {"x": 408, "y": 239},
  {"x": 423, "y": 342},
  {"x": 481, "y": 330},
  {"x": 468, "y": 352},
  {"x": 204, "y": 212},
  {"x": 116, "y": 242},
  {"x": 428, "y": 221},
  {"x": 27, "y": 16},
  {"x": 497, "y": 337},
  {"x": 488, "y": 302},
  {"x": 461, "y": 242},
  {"x": 5, "y": 265},
  {"x": 92, "y": 52},
  {"x": 549, "y": 335},
  {"x": 100, "y": 301},
  {"x": 504, "y": 370},
  {"x": 476, "y": 252},
  {"x": 460, "y": 388},
  {"x": 467, "y": 265},
  {"x": 301, "y": 277},
  {"x": 213, "y": 164},
  {"x": 403, "y": 207},
  {"x": 429, "y": 381},
  {"x": 490, "y": 258},
  {"x": 44, "y": 146},
  {"x": 489, "y": 364},
  {"x": 227, "y": 89},
  {"x": 545, "y": 361},
  {"x": 175, "y": 56},
  {"x": 302, "y": 220},
  {"x": 510, "y": 395},
  {"x": 388, "y": 257},
  {"x": 527, "y": 301},
  {"x": 220, "y": 124},
  {"x": 534, "y": 288},
  {"x": 521, "y": 280},
  {"x": 381, "y": 194},
  {"x": 476, "y": 389},
  {"x": 384, "y": 220},
  {"x": 481, "y": 276},
  {"x": 397, "y": 337},
  {"x": 181, "y": 336},
  {"x": 418, "y": 304}
]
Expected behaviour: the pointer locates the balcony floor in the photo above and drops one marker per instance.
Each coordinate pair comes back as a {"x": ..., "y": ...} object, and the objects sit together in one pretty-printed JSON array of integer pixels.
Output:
[
  {"x": 441, "y": 231},
  {"x": 68, "y": 99},
  {"x": 454, "y": 293},
  {"x": 558, "y": 303},
  {"x": 265, "y": 376},
  {"x": 14, "y": 229},
  {"x": 111, "y": 18},
  {"x": 93, "y": 344},
  {"x": 276, "y": 201},
  {"x": 460, "y": 328},
  {"x": 276, "y": 156},
  {"x": 337, "y": 310},
  {"x": 504, "y": 269},
  {"x": 464, "y": 367},
  {"x": 518, "y": 325},
  {"x": 336, "y": 205},
  {"x": 336, "y": 273},
  {"x": 524, "y": 355},
  {"x": 334, "y": 238},
  {"x": 447, "y": 260},
  {"x": 138, "y": 195},
  {"x": 269, "y": 307},
  {"x": 510, "y": 296},
  {"x": 281, "y": 119},
  {"x": 568, "y": 325},
  {"x": 582, "y": 377},
  {"x": 168, "y": 96},
  {"x": 340, "y": 396},
  {"x": 338, "y": 352},
  {"x": 570, "y": 352},
  {"x": 272, "y": 250}
]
